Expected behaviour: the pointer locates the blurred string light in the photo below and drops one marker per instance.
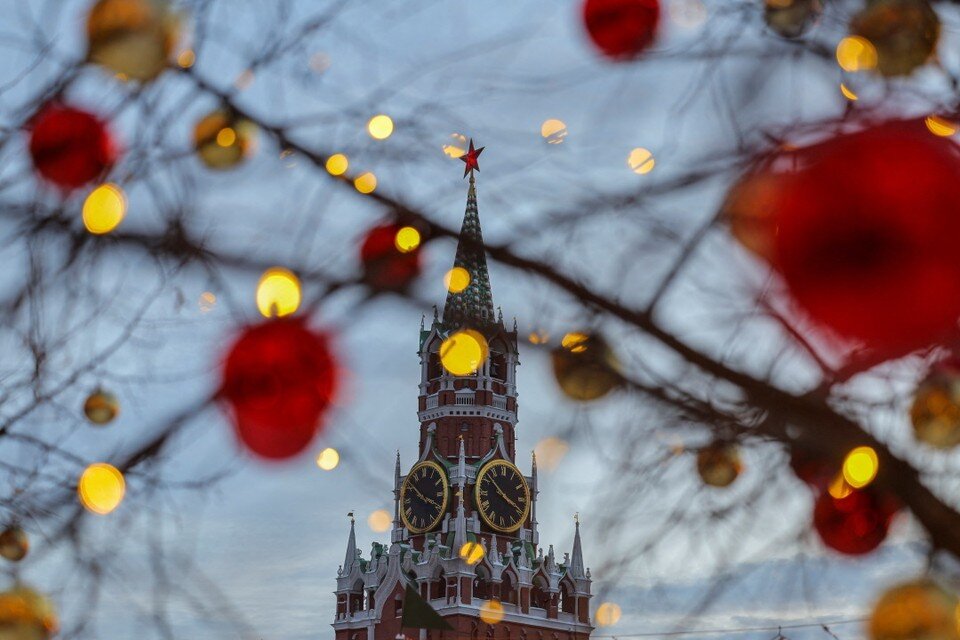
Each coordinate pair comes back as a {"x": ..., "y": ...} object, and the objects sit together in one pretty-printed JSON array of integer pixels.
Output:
[
  {"x": 860, "y": 467},
  {"x": 538, "y": 337},
  {"x": 940, "y": 126},
  {"x": 463, "y": 352},
  {"x": 491, "y": 611},
  {"x": 207, "y": 302},
  {"x": 104, "y": 209},
  {"x": 550, "y": 451},
  {"x": 407, "y": 239},
  {"x": 365, "y": 182},
  {"x": 328, "y": 459},
  {"x": 278, "y": 293},
  {"x": 839, "y": 489},
  {"x": 457, "y": 147},
  {"x": 337, "y": 164},
  {"x": 101, "y": 488},
  {"x": 848, "y": 92},
  {"x": 608, "y": 614},
  {"x": 472, "y": 552},
  {"x": 380, "y": 127},
  {"x": 641, "y": 161},
  {"x": 553, "y": 131},
  {"x": 379, "y": 521},
  {"x": 855, "y": 53},
  {"x": 456, "y": 280},
  {"x": 186, "y": 58}
]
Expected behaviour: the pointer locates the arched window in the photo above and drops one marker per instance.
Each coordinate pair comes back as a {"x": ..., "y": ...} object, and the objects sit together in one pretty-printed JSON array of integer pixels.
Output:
[
  {"x": 538, "y": 595},
  {"x": 438, "y": 588},
  {"x": 567, "y": 601},
  {"x": 398, "y": 605},
  {"x": 481, "y": 584},
  {"x": 508, "y": 589}
]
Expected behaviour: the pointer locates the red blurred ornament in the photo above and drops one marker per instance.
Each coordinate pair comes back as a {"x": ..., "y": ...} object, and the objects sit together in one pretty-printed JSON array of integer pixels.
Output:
[
  {"x": 385, "y": 266},
  {"x": 70, "y": 147},
  {"x": 866, "y": 235},
  {"x": 279, "y": 377},
  {"x": 812, "y": 470},
  {"x": 856, "y": 523},
  {"x": 621, "y": 29}
]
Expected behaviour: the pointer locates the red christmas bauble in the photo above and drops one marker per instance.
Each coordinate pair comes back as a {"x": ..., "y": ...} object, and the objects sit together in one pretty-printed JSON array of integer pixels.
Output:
[
  {"x": 279, "y": 378},
  {"x": 385, "y": 266},
  {"x": 866, "y": 236},
  {"x": 70, "y": 147},
  {"x": 621, "y": 29},
  {"x": 856, "y": 523}
]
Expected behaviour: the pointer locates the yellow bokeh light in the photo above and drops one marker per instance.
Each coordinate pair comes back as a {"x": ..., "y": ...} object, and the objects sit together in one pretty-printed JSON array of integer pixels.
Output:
[
  {"x": 472, "y": 552},
  {"x": 553, "y": 131},
  {"x": 207, "y": 302},
  {"x": 860, "y": 467},
  {"x": 186, "y": 58},
  {"x": 457, "y": 279},
  {"x": 539, "y": 337},
  {"x": 278, "y": 293},
  {"x": 839, "y": 488},
  {"x": 380, "y": 127},
  {"x": 550, "y": 451},
  {"x": 365, "y": 182},
  {"x": 855, "y": 53},
  {"x": 941, "y": 126},
  {"x": 608, "y": 614},
  {"x": 226, "y": 137},
  {"x": 847, "y": 92},
  {"x": 641, "y": 161},
  {"x": 407, "y": 239},
  {"x": 457, "y": 148},
  {"x": 337, "y": 164},
  {"x": 328, "y": 459},
  {"x": 379, "y": 521},
  {"x": 463, "y": 352},
  {"x": 101, "y": 488},
  {"x": 104, "y": 209},
  {"x": 575, "y": 342},
  {"x": 491, "y": 611}
]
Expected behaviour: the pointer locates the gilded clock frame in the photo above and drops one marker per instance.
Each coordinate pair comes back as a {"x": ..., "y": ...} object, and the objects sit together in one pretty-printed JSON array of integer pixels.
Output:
[
  {"x": 446, "y": 496},
  {"x": 526, "y": 492}
]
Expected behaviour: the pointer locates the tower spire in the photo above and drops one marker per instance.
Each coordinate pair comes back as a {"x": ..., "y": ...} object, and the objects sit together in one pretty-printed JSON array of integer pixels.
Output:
[
  {"x": 472, "y": 305},
  {"x": 576, "y": 558},
  {"x": 351, "y": 555}
]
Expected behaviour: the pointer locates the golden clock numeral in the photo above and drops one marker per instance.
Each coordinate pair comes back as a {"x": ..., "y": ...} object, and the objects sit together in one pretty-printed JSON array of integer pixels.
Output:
[
  {"x": 439, "y": 494},
  {"x": 500, "y": 520}
]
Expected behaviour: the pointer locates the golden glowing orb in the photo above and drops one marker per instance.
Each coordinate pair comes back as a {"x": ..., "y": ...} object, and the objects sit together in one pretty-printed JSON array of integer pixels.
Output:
[
  {"x": 839, "y": 488},
  {"x": 472, "y": 552},
  {"x": 186, "y": 58},
  {"x": 337, "y": 164},
  {"x": 101, "y": 407},
  {"x": 457, "y": 279},
  {"x": 104, "y": 209},
  {"x": 848, "y": 92},
  {"x": 860, "y": 467},
  {"x": 719, "y": 464},
  {"x": 131, "y": 38},
  {"x": 550, "y": 451},
  {"x": 380, "y": 127},
  {"x": 407, "y": 239},
  {"x": 457, "y": 148},
  {"x": 226, "y": 137},
  {"x": 916, "y": 610},
  {"x": 463, "y": 352},
  {"x": 26, "y": 614},
  {"x": 223, "y": 140},
  {"x": 365, "y": 182},
  {"x": 553, "y": 131},
  {"x": 608, "y": 614},
  {"x": 855, "y": 53},
  {"x": 101, "y": 488},
  {"x": 491, "y": 611},
  {"x": 278, "y": 293},
  {"x": 538, "y": 337},
  {"x": 585, "y": 366},
  {"x": 328, "y": 459},
  {"x": 941, "y": 126},
  {"x": 379, "y": 521},
  {"x": 641, "y": 161}
]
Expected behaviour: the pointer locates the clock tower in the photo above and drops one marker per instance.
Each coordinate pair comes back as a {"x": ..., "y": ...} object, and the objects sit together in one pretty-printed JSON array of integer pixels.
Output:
[{"x": 465, "y": 532}]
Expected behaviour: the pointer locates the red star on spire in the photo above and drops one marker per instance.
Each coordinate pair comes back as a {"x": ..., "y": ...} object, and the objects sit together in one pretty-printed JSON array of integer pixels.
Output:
[{"x": 470, "y": 159}]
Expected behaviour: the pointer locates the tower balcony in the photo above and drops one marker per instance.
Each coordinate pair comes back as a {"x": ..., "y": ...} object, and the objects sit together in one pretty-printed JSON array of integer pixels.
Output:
[{"x": 468, "y": 402}]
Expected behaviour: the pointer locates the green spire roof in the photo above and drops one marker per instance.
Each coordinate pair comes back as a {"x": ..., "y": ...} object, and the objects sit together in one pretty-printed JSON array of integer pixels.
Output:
[{"x": 474, "y": 305}]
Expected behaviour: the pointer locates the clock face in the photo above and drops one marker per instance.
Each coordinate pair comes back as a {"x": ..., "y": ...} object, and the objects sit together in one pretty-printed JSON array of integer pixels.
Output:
[
  {"x": 423, "y": 497},
  {"x": 502, "y": 496}
]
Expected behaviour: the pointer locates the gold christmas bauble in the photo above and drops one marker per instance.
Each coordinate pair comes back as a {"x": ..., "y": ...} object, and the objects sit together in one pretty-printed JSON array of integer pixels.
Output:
[
  {"x": 14, "y": 544},
  {"x": 26, "y": 615},
  {"x": 585, "y": 366},
  {"x": 132, "y": 38},
  {"x": 101, "y": 407},
  {"x": 719, "y": 464},
  {"x": 224, "y": 140},
  {"x": 935, "y": 412},
  {"x": 791, "y": 18},
  {"x": 904, "y": 33},
  {"x": 917, "y": 610},
  {"x": 750, "y": 208}
]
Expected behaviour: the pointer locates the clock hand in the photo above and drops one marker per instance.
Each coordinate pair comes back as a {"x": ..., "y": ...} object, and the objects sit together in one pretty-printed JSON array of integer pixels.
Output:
[
  {"x": 426, "y": 499},
  {"x": 505, "y": 497}
]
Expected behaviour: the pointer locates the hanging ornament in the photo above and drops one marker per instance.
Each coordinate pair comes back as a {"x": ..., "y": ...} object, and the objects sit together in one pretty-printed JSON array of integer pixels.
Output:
[
  {"x": 750, "y": 208},
  {"x": 719, "y": 464},
  {"x": 865, "y": 240},
  {"x": 935, "y": 413},
  {"x": 224, "y": 140},
  {"x": 585, "y": 366},
  {"x": 101, "y": 407},
  {"x": 132, "y": 38},
  {"x": 70, "y": 147},
  {"x": 26, "y": 615},
  {"x": 916, "y": 610},
  {"x": 279, "y": 379},
  {"x": 855, "y": 523},
  {"x": 14, "y": 544},
  {"x": 621, "y": 29},
  {"x": 904, "y": 33},
  {"x": 390, "y": 255},
  {"x": 791, "y": 18}
]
